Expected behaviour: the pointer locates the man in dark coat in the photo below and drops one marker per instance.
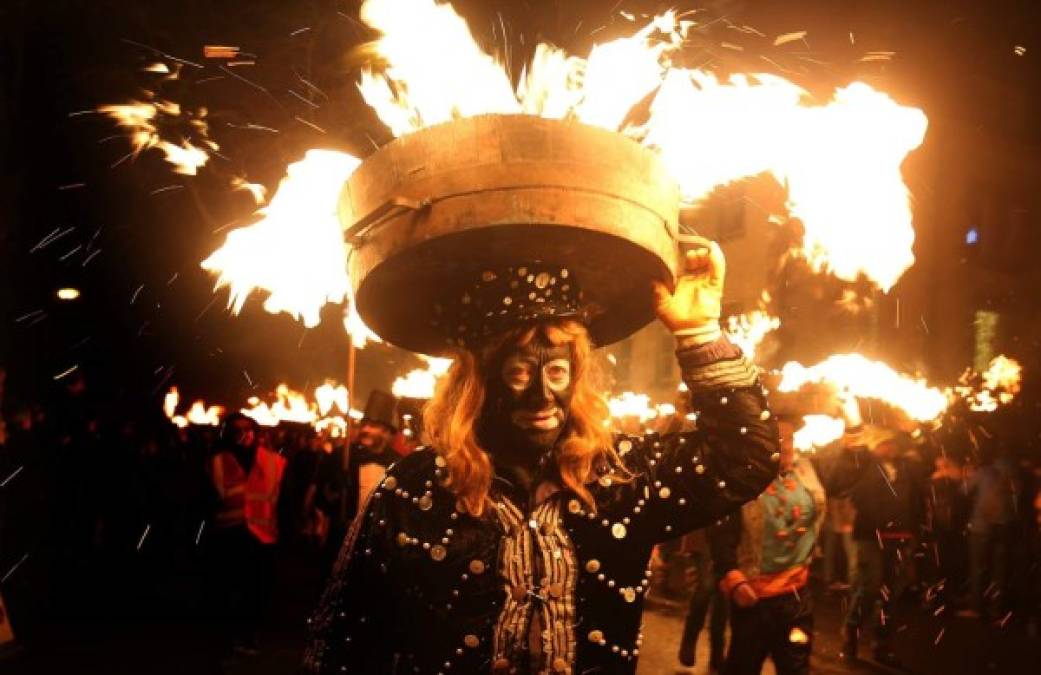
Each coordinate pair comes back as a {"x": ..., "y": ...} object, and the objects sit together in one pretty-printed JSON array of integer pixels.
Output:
[
  {"x": 887, "y": 491},
  {"x": 518, "y": 542},
  {"x": 341, "y": 485}
]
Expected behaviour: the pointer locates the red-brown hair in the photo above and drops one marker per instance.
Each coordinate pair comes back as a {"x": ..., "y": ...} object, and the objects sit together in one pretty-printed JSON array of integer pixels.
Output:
[{"x": 451, "y": 418}]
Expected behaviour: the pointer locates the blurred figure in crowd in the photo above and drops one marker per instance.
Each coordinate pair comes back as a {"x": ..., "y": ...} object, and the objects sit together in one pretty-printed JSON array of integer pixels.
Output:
[
  {"x": 948, "y": 507},
  {"x": 839, "y": 532},
  {"x": 247, "y": 479},
  {"x": 347, "y": 475},
  {"x": 992, "y": 527},
  {"x": 887, "y": 493},
  {"x": 707, "y": 597}
]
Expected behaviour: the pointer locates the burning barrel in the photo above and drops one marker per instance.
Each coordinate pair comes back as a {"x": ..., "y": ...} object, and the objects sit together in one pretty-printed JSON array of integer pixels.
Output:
[{"x": 429, "y": 211}]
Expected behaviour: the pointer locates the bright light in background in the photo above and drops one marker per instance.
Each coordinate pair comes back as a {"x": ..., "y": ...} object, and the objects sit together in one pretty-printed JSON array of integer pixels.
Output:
[
  {"x": 68, "y": 293},
  {"x": 972, "y": 236}
]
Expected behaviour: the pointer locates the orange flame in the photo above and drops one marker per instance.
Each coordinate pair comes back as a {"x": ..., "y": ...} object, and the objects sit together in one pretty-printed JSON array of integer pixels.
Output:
[
  {"x": 864, "y": 378},
  {"x": 295, "y": 251},
  {"x": 818, "y": 431},
  {"x": 140, "y": 119},
  {"x": 420, "y": 383},
  {"x": 199, "y": 413},
  {"x": 748, "y": 330},
  {"x": 170, "y": 401},
  {"x": 998, "y": 385},
  {"x": 840, "y": 161}
]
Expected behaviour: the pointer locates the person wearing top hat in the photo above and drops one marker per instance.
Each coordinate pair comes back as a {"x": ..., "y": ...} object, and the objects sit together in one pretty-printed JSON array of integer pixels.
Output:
[
  {"x": 518, "y": 540},
  {"x": 342, "y": 483}
]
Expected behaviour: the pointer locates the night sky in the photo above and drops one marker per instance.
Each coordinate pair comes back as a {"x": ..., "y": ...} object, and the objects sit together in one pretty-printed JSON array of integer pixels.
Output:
[{"x": 148, "y": 318}]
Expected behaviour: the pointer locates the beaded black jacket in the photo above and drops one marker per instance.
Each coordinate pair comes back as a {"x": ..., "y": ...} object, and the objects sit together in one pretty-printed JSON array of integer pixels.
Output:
[{"x": 421, "y": 587}]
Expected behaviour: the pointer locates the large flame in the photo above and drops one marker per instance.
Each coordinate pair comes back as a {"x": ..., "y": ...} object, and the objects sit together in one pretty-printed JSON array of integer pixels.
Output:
[
  {"x": 839, "y": 158},
  {"x": 861, "y": 377},
  {"x": 420, "y": 383},
  {"x": 295, "y": 251},
  {"x": 435, "y": 71},
  {"x": 818, "y": 431},
  {"x": 840, "y": 161}
]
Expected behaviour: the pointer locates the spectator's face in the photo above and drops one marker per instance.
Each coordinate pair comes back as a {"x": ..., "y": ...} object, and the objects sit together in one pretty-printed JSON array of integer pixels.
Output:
[
  {"x": 245, "y": 435},
  {"x": 374, "y": 435},
  {"x": 786, "y": 430}
]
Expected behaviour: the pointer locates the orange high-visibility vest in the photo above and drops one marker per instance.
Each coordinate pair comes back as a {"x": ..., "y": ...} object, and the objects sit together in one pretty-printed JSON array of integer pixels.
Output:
[{"x": 250, "y": 500}]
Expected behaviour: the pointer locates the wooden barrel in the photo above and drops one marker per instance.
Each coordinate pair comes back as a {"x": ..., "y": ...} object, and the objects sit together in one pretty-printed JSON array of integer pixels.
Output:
[{"x": 428, "y": 212}]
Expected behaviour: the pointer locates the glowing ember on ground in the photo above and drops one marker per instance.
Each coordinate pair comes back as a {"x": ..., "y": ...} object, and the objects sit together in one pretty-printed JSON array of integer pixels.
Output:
[
  {"x": 748, "y": 330},
  {"x": 420, "y": 383},
  {"x": 818, "y": 431},
  {"x": 865, "y": 378}
]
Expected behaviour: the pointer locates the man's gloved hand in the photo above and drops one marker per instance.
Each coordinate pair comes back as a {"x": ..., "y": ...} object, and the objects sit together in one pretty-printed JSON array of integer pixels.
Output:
[{"x": 694, "y": 307}]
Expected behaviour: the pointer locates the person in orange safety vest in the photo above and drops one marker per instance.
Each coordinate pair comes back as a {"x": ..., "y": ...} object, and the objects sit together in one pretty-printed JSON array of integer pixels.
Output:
[{"x": 247, "y": 478}]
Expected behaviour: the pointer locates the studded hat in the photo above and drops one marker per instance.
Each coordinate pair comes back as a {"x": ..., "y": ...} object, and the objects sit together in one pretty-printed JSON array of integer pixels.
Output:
[{"x": 502, "y": 298}]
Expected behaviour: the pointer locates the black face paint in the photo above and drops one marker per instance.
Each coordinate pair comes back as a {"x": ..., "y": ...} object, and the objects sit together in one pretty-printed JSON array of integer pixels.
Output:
[{"x": 530, "y": 394}]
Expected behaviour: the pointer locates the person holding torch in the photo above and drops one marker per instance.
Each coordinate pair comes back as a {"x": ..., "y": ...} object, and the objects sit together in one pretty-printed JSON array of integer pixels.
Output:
[{"x": 518, "y": 540}]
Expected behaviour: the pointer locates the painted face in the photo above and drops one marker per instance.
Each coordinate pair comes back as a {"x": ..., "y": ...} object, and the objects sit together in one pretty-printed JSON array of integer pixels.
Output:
[{"x": 536, "y": 383}]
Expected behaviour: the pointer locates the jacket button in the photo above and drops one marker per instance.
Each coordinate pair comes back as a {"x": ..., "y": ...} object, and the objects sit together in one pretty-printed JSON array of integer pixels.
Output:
[
  {"x": 593, "y": 566},
  {"x": 519, "y": 593},
  {"x": 559, "y": 665},
  {"x": 574, "y": 506},
  {"x": 596, "y": 636},
  {"x": 477, "y": 566},
  {"x": 501, "y": 665},
  {"x": 390, "y": 482},
  {"x": 618, "y": 531},
  {"x": 438, "y": 553},
  {"x": 556, "y": 590},
  {"x": 471, "y": 641}
]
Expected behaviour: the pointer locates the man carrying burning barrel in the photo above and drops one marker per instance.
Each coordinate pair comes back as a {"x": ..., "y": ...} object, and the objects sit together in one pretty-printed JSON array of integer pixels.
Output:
[{"x": 518, "y": 540}]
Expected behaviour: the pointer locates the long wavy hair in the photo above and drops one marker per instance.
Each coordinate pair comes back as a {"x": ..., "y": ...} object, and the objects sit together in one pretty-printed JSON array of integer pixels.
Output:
[{"x": 451, "y": 418}]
